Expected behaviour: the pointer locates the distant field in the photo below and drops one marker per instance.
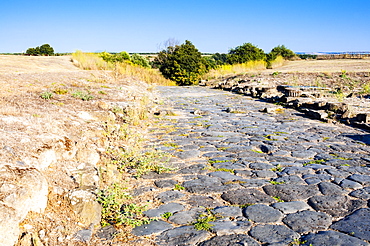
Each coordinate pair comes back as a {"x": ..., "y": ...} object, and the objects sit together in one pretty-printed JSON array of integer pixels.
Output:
[
  {"x": 34, "y": 64},
  {"x": 349, "y": 65}
]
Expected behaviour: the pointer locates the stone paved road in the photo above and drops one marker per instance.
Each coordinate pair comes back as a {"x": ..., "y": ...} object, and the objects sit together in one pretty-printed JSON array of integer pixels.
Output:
[{"x": 264, "y": 178}]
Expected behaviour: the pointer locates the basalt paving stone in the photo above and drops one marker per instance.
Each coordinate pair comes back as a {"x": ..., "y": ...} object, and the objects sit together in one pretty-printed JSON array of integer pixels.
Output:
[
  {"x": 230, "y": 240},
  {"x": 182, "y": 236},
  {"x": 362, "y": 179},
  {"x": 261, "y": 213},
  {"x": 163, "y": 183},
  {"x": 205, "y": 184},
  {"x": 296, "y": 171},
  {"x": 224, "y": 175},
  {"x": 264, "y": 174},
  {"x": 169, "y": 207},
  {"x": 364, "y": 193},
  {"x": 335, "y": 205},
  {"x": 327, "y": 188},
  {"x": 349, "y": 184},
  {"x": 291, "y": 207},
  {"x": 170, "y": 195},
  {"x": 193, "y": 169},
  {"x": 230, "y": 227},
  {"x": 356, "y": 224},
  {"x": 228, "y": 211},
  {"x": 274, "y": 234},
  {"x": 156, "y": 226},
  {"x": 330, "y": 238},
  {"x": 293, "y": 179},
  {"x": 291, "y": 192},
  {"x": 253, "y": 183},
  {"x": 307, "y": 221},
  {"x": 260, "y": 166},
  {"x": 203, "y": 201},
  {"x": 186, "y": 217},
  {"x": 246, "y": 196}
]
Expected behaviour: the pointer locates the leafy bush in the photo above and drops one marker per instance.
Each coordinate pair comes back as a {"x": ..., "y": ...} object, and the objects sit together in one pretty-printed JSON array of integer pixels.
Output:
[
  {"x": 183, "y": 63},
  {"x": 140, "y": 60},
  {"x": 44, "y": 50},
  {"x": 244, "y": 53},
  {"x": 113, "y": 58}
]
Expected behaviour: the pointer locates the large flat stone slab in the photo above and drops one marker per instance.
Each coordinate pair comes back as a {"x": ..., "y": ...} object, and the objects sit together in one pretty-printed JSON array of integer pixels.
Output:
[
  {"x": 356, "y": 224},
  {"x": 246, "y": 196},
  {"x": 291, "y": 192},
  {"x": 274, "y": 234},
  {"x": 331, "y": 238},
  {"x": 335, "y": 205},
  {"x": 308, "y": 221},
  {"x": 228, "y": 240},
  {"x": 181, "y": 236}
]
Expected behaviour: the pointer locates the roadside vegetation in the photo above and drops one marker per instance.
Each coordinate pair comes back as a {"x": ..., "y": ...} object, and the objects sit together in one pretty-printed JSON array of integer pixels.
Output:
[{"x": 122, "y": 65}]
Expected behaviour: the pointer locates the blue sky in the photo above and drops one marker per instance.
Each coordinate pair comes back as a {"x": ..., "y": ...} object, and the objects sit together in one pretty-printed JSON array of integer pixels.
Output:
[{"x": 212, "y": 26}]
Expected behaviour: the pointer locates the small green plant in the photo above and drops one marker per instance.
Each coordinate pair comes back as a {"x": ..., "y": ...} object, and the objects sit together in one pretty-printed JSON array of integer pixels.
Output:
[
  {"x": 277, "y": 168},
  {"x": 84, "y": 96},
  {"x": 274, "y": 74},
  {"x": 325, "y": 138},
  {"x": 297, "y": 242},
  {"x": 276, "y": 183},
  {"x": 257, "y": 151},
  {"x": 166, "y": 215},
  {"x": 278, "y": 199},
  {"x": 202, "y": 222},
  {"x": 116, "y": 209},
  {"x": 46, "y": 95},
  {"x": 141, "y": 162},
  {"x": 179, "y": 187},
  {"x": 315, "y": 162}
]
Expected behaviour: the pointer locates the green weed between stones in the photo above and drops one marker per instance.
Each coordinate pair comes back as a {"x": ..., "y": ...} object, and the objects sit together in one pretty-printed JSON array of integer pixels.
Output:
[
  {"x": 179, "y": 187},
  {"x": 202, "y": 222},
  {"x": 298, "y": 242},
  {"x": 166, "y": 215},
  {"x": 277, "y": 168},
  {"x": 315, "y": 162},
  {"x": 276, "y": 183},
  {"x": 278, "y": 199},
  {"x": 117, "y": 209}
]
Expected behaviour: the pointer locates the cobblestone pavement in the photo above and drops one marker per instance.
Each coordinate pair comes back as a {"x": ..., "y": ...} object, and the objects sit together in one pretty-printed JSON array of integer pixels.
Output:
[{"x": 245, "y": 177}]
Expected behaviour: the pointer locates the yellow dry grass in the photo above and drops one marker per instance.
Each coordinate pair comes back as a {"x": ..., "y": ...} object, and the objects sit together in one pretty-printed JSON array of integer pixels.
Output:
[{"x": 92, "y": 61}]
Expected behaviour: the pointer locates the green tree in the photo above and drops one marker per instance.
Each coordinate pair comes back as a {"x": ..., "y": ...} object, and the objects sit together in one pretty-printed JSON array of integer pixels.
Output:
[
  {"x": 244, "y": 53},
  {"x": 183, "y": 63},
  {"x": 283, "y": 51},
  {"x": 32, "y": 52},
  {"x": 220, "y": 59},
  {"x": 46, "y": 50}
]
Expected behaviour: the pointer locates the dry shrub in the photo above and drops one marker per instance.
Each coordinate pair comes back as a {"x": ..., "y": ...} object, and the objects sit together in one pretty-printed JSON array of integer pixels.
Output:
[{"x": 223, "y": 70}]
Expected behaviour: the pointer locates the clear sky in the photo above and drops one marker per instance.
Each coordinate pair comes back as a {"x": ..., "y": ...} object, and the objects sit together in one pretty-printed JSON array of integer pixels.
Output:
[{"x": 212, "y": 26}]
